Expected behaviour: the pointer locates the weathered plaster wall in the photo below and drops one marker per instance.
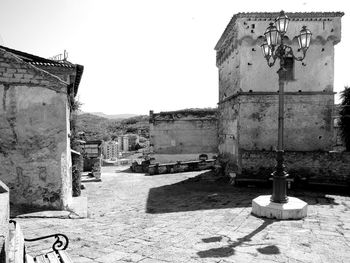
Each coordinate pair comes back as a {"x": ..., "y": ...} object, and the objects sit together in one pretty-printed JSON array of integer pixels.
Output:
[
  {"x": 229, "y": 76},
  {"x": 34, "y": 127},
  {"x": 308, "y": 122},
  {"x": 316, "y": 73},
  {"x": 4, "y": 222},
  {"x": 66, "y": 161},
  {"x": 184, "y": 132},
  {"x": 228, "y": 127}
]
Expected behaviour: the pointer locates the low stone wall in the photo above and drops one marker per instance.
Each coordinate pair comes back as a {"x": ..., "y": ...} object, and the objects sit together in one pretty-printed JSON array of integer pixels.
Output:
[
  {"x": 170, "y": 158},
  {"x": 180, "y": 167},
  {"x": 320, "y": 167},
  {"x": 4, "y": 222}
]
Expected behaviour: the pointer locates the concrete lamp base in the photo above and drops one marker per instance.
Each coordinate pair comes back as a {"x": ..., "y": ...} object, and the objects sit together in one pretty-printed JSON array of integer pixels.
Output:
[{"x": 294, "y": 209}]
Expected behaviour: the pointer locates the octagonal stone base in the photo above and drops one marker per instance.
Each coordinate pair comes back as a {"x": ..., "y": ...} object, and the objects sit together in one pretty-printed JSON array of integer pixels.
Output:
[{"x": 294, "y": 209}]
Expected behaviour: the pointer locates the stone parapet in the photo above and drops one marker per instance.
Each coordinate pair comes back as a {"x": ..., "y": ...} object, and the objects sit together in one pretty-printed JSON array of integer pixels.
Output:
[
  {"x": 313, "y": 167},
  {"x": 180, "y": 167}
]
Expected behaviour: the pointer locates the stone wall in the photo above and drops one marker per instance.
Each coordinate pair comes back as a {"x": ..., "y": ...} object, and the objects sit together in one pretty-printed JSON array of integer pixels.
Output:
[
  {"x": 34, "y": 143},
  {"x": 308, "y": 123},
  {"x": 4, "y": 222},
  {"x": 186, "y": 132},
  {"x": 326, "y": 167}
]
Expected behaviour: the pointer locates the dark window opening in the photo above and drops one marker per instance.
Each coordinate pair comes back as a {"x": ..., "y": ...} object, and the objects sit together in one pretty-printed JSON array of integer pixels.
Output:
[{"x": 289, "y": 66}]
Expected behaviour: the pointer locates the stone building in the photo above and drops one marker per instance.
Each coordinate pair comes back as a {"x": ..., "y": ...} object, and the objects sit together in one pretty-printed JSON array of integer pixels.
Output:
[
  {"x": 248, "y": 98},
  {"x": 128, "y": 142},
  {"x": 37, "y": 95},
  {"x": 123, "y": 143},
  {"x": 93, "y": 156},
  {"x": 183, "y": 135}
]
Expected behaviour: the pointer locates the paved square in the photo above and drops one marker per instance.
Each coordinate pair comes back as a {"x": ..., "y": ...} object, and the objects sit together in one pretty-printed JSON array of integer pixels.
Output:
[{"x": 186, "y": 217}]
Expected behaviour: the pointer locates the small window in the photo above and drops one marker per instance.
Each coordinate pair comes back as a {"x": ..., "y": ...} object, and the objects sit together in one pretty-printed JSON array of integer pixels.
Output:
[{"x": 289, "y": 66}]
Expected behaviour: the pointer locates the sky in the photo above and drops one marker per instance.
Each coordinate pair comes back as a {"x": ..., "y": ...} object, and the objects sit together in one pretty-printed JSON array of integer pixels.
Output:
[{"x": 142, "y": 55}]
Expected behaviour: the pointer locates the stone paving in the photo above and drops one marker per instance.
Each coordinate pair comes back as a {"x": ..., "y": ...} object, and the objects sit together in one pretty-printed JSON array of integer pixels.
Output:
[{"x": 186, "y": 217}]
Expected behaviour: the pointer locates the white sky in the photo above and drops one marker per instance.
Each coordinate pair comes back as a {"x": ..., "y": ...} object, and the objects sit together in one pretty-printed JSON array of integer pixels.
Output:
[{"x": 145, "y": 54}]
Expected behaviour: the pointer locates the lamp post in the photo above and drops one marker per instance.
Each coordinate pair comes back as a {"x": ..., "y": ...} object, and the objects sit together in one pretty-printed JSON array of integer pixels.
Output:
[{"x": 274, "y": 48}]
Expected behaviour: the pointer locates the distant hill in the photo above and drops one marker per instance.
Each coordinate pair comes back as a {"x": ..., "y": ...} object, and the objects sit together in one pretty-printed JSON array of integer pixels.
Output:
[
  {"x": 102, "y": 128},
  {"x": 113, "y": 116}
]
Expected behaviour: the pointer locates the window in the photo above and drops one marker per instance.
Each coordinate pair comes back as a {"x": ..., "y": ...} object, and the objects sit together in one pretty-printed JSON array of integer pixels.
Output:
[{"x": 289, "y": 66}]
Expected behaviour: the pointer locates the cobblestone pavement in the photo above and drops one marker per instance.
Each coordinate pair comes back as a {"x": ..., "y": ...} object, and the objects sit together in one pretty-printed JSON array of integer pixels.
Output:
[{"x": 181, "y": 218}]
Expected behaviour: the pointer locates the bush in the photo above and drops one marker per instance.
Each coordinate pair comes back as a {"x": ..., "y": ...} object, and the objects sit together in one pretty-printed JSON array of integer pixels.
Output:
[{"x": 345, "y": 117}]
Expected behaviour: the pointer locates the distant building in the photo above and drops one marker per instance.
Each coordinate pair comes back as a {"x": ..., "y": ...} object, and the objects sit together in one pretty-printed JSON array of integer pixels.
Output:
[
  {"x": 110, "y": 149},
  {"x": 127, "y": 142},
  {"x": 121, "y": 144},
  {"x": 92, "y": 156},
  {"x": 133, "y": 140}
]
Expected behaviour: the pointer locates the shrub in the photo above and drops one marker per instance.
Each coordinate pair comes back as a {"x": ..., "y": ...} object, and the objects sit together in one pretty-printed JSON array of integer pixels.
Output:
[{"x": 345, "y": 117}]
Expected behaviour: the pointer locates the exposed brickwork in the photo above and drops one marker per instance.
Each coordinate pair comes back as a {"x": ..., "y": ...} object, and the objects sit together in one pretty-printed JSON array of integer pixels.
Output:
[
  {"x": 64, "y": 73},
  {"x": 14, "y": 71}
]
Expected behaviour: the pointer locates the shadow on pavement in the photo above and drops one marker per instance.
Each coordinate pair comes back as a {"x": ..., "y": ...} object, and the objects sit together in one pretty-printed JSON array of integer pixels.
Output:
[
  {"x": 269, "y": 250},
  {"x": 206, "y": 191},
  {"x": 229, "y": 250},
  {"x": 116, "y": 169},
  {"x": 199, "y": 193},
  {"x": 16, "y": 210}
]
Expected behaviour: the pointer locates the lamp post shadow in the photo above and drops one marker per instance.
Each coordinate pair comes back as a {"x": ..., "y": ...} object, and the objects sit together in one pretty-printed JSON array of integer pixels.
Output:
[{"x": 229, "y": 250}]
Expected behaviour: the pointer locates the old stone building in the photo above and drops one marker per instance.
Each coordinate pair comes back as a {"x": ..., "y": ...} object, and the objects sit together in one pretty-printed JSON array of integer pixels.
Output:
[
  {"x": 248, "y": 98},
  {"x": 93, "y": 157},
  {"x": 184, "y": 134},
  {"x": 37, "y": 95}
]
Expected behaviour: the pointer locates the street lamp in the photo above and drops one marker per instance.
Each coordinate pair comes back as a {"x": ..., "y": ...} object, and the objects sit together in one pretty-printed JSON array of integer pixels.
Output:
[{"x": 274, "y": 48}]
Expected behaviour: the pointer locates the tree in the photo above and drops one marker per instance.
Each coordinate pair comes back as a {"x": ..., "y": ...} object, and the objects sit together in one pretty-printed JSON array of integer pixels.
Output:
[
  {"x": 345, "y": 116},
  {"x": 106, "y": 137},
  {"x": 75, "y": 145}
]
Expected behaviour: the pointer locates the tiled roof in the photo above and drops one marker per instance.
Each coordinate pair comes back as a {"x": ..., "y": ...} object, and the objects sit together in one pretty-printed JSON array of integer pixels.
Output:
[
  {"x": 36, "y": 60},
  {"x": 40, "y": 61},
  {"x": 306, "y": 16}
]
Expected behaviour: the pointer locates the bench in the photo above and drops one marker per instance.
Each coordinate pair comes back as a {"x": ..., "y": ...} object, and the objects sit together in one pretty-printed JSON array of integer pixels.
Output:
[{"x": 18, "y": 253}]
